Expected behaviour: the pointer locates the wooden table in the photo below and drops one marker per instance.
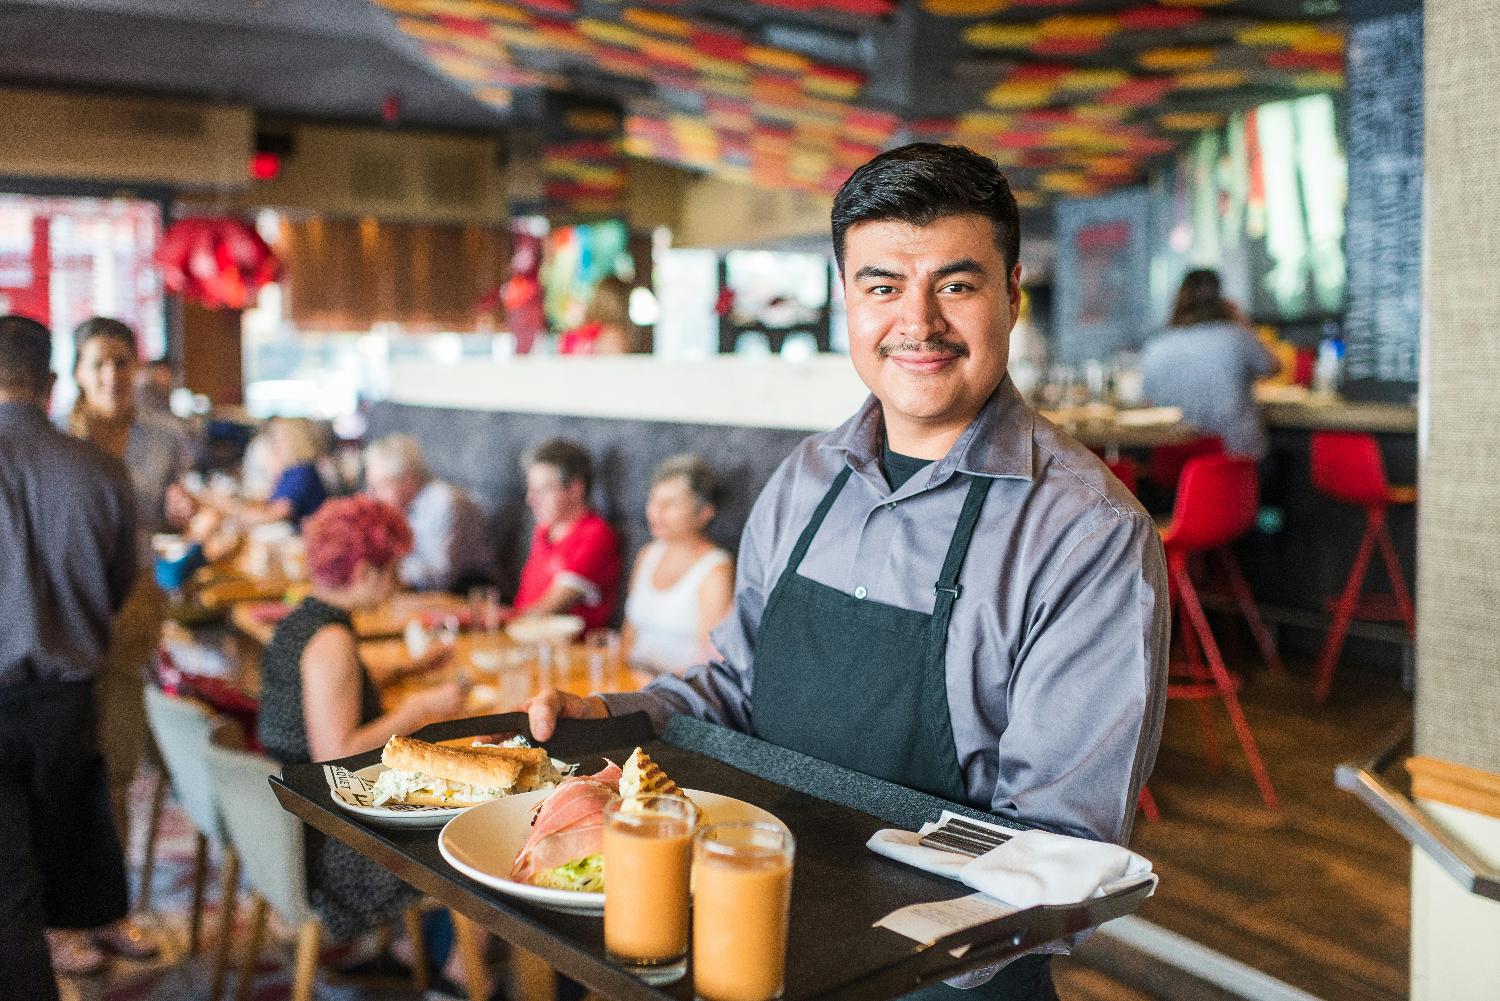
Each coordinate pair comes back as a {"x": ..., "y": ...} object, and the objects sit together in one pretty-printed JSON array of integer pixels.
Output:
[
  {"x": 526, "y": 671},
  {"x": 1105, "y": 433},
  {"x": 388, "y": 620}
]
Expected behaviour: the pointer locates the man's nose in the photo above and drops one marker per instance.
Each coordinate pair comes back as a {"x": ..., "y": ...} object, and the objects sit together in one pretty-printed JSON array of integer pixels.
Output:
[{"x": 921, "y": 316}]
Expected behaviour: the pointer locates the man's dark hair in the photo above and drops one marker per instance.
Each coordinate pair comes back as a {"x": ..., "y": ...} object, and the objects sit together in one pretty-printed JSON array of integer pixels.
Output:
[
  {"x": 922, "y": 182},
  {"x": 569, "y": 458},
  {"x": 25, "y": 355}
]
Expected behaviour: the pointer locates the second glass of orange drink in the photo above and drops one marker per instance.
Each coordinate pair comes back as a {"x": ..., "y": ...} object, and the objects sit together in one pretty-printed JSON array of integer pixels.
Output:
[
  {"x": 742, "y": 893},
  {"x": 648, "y": 852}
]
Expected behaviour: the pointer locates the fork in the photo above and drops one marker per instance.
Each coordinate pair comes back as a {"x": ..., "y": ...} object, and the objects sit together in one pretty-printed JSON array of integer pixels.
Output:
[{"x": 963, "y": 838}]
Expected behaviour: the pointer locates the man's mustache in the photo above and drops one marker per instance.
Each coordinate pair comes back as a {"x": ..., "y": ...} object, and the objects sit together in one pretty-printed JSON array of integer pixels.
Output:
[{"x": 937, "y": 346}]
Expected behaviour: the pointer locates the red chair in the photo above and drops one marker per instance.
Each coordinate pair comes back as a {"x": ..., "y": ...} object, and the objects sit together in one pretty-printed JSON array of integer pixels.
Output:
[
  {"x": 1167, "y": 461},
  {"x": 1217, "y": 500},
  {"x": 1348, "y": 467},
  {"x": 1126, "y": 472}
]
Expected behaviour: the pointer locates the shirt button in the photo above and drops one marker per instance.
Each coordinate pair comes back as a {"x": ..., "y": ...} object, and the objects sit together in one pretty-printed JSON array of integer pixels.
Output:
[
  {"x": 891, "y": 506},
  {"x": 860, "y": 592}
]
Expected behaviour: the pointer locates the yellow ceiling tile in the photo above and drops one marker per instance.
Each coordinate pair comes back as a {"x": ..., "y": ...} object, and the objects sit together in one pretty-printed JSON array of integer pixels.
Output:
[
  {"x": 1001, "y": 36},
  {"x": 1169, "y": 59}
]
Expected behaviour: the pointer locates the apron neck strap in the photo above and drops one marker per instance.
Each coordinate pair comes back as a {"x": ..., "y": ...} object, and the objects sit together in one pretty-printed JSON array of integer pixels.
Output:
[
  {"x": 804, "y": 541},
  {"x": 958, "y": 547}
]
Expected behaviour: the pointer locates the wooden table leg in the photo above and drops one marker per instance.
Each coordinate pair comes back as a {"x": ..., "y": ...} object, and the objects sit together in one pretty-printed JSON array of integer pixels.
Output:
[
  {"x": 228, "y": 890},
  {"x": 153, "y": 826},
  {"x": 200, "y": 878},
  {"x": 471, "y": 950},
  {"x": 418, "y": 948},
  {"x": 531, "y": 978},
  {"x": 252, "y": 946},
  {"x": 307, "y": 960}
]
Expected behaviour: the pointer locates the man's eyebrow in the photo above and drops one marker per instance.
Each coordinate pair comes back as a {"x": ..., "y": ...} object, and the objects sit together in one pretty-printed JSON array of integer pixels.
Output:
[
  {"x": 964, "y": 265},
  {"x": 871, "y": 271}
]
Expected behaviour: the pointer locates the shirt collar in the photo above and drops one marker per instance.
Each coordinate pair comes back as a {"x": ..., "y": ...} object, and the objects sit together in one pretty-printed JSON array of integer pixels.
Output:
[
  {"x": 22, "y": 415},
  {"x": 996, "y": 443}
]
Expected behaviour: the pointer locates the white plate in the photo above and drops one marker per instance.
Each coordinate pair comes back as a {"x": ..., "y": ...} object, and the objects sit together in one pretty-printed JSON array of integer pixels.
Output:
[
  {"x": 483, "y": 843},
  {"x": 545, "y": 629},
  {"x": 404, "y": 815}
]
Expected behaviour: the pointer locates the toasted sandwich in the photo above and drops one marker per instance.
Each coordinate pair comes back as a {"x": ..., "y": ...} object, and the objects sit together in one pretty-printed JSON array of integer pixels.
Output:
[{"x": 423, "y": 774}]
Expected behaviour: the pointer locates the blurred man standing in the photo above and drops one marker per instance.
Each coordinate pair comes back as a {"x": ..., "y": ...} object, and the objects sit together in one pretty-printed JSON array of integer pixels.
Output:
[{"x": 67, "y": 562}]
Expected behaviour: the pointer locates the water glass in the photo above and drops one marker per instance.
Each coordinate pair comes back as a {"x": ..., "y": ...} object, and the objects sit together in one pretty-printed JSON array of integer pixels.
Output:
[{"x": 602, "y": 647}]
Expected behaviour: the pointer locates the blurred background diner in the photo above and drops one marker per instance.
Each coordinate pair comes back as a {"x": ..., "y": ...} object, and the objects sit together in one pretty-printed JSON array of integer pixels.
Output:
[{"x": 447, "y": 345}]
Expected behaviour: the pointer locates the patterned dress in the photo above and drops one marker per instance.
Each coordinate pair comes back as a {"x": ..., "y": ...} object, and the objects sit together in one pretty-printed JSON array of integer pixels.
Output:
[{"x": 350, "y": 893}]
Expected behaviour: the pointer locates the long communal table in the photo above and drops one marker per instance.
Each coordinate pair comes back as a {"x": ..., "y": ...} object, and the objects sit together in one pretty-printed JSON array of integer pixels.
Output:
[{"x": 839, "y": 887}]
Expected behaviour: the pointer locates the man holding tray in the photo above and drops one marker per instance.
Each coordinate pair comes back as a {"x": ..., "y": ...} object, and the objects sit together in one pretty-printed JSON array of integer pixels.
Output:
[{"x": 945, "y": 591}]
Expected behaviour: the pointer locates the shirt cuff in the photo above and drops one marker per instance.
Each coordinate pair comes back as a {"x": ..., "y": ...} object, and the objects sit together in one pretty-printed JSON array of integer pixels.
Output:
[
  {"x": 590, "y": 591},
  {"x": 624, "y": 703}
]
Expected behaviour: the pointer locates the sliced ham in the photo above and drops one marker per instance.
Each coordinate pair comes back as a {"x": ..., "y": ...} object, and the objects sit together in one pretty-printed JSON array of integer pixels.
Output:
[{"x": 576, "y": 803}]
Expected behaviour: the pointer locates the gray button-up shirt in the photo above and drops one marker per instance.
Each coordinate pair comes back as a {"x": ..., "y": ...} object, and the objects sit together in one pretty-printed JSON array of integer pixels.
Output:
[
  {"x": 1057, "y": 649},
  {"x": 450, "y": 539},
  {"x": 67, "y": 550}
]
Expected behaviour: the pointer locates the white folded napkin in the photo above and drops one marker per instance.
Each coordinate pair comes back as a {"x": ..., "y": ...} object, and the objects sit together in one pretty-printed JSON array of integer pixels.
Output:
[{"x": 1033, "y": 867}]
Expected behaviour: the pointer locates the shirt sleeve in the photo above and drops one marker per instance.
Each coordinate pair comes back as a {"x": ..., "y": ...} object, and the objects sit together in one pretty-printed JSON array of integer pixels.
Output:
[
  {"x": 432, "y": 563},
  {"x": 719, "y": 691},
  {"x": 300, "y": 485},
  {"x": 1089, "y": 688},
  {"x": 590, "y": 561},
  {"x": 125, "y": 562},
  {"x": 1258, "y": 357}
]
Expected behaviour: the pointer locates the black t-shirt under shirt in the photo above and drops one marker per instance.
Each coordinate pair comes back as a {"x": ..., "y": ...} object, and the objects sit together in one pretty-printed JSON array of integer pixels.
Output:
[{"x": 899, "y": 468}]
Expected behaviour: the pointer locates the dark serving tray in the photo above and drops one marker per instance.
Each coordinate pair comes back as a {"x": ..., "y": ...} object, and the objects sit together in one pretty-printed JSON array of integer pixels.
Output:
[{"x": 839, "y": 887}]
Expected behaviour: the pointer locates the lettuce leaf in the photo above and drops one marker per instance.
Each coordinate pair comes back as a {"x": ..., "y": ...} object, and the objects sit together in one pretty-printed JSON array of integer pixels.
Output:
[{"x": 585, "y": 875}]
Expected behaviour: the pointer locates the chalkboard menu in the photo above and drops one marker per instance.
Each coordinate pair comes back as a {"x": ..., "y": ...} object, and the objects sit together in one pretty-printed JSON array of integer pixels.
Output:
[{"x": 1384, "y": 231}]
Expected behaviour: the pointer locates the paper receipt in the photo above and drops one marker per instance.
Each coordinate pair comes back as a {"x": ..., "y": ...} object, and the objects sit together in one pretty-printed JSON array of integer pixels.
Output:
[{"x": 926, "y": 923}]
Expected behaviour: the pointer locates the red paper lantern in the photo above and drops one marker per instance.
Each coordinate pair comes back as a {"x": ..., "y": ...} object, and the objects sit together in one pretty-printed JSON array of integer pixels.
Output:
[{"x": 219, "y": 262}]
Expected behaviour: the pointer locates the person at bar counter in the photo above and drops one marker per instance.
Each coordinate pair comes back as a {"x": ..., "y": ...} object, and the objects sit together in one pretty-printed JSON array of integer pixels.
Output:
[
  {"x": 157, "y": 453},
  {"x": 945, "y": 591},
  {"x": 1206, "y": 362},
  {"x": 574, "y": 564},
  {"x": 451, "y": 544},
  {"x": 682, "y": 585},
  {"x": 606, "y": 328},
  {"x": 67, "y": 563}
]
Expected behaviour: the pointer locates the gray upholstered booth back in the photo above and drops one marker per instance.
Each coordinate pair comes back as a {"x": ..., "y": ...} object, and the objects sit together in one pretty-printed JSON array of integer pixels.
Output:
[{"x": 481, "y": 451}]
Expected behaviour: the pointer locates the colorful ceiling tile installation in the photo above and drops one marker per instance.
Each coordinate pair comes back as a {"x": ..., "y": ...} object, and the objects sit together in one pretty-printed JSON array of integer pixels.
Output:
[{"x": 1070, "y": 96}]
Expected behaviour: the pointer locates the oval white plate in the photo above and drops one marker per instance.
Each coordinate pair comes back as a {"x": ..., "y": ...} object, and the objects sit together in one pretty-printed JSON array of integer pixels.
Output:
[
  {"x": 482, "y": 844},
  {"x": 401, "y": 815},
  {"x": 545, "y": 629}
]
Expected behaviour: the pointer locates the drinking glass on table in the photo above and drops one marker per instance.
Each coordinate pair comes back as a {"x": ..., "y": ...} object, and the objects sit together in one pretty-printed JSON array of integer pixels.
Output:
[
  {"x": 648, "y": 853},
  {"x": 485, "y": 613},
  {"x": 603, "y": 648},
  {"x": 742, "y": 894}
]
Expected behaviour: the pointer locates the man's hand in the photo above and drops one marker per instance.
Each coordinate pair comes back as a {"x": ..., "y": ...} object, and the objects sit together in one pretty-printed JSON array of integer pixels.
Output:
[{"x": 546, "y": 709}]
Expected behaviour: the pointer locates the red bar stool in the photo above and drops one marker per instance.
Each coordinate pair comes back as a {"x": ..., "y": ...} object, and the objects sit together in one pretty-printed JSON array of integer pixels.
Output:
[
  {"x": 1167, "y": 461},
  {"x": 1216, "y": 504},
  {"x": 1126, "y": 471},
  {"x": 1348, "y": 467}
]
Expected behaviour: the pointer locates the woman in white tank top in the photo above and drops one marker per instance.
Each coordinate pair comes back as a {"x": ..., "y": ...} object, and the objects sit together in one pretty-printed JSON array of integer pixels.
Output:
[{"x": 682, "y": 585}]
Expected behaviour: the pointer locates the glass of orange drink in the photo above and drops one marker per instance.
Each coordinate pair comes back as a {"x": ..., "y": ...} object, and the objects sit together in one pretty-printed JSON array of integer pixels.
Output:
[
  {"x": 648, "y": 853},
  {"x": 742, "y": 894}
]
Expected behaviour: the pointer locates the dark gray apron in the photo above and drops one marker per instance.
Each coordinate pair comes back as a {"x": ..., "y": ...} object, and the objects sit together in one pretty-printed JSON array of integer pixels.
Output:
[{"x": 862, "y": 684}]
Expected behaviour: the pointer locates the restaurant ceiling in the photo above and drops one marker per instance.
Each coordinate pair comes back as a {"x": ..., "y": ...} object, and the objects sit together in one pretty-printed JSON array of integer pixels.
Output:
[
  {"x": 1070, "y": 96},
  {"x": 321, "y": 59}
]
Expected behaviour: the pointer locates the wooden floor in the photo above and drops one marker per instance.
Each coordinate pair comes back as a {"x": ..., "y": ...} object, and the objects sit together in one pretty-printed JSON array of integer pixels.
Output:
[{"x": 1318, "y": 895}]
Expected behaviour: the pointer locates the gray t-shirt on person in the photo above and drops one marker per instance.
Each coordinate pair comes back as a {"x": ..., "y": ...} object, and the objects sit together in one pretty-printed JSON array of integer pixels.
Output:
[
  {"x": 1209, "y": 371},
  {"x": 67, "y": 550},
  {"x": 1056, "y": 658}
]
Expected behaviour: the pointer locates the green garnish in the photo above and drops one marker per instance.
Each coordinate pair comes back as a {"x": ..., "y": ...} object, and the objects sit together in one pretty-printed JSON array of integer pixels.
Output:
[{"x": 585, "y": 875}]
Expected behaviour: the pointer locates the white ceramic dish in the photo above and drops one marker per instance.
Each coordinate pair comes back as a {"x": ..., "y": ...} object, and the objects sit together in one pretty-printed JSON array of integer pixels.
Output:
[
  {"x": 545, "y": 629},
  {"x": 402, "y": 815},
  {"x": 482, "y": 844}
]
